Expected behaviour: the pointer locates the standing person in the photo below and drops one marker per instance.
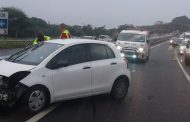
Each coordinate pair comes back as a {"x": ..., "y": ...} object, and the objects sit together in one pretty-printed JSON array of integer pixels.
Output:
[
  {"x": 65, "y": 34},
  {"x": 40, "y": 37}
]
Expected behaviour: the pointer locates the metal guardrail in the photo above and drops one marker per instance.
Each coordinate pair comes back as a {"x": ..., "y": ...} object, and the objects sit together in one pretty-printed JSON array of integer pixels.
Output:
[
  {"x": 159, "y": 40},
  {"x": 152, "y": 41}
]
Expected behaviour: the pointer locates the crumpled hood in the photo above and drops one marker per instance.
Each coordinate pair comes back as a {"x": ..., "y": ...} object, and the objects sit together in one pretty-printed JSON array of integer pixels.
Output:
[
  {"x": 9, "y": 68},
  {"x": 3, "y": 57}
]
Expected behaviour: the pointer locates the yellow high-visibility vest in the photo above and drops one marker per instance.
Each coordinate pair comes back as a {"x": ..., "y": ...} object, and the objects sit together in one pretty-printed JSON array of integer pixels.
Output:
[
  {"x": 36, "y": 39},
  {"x": 65, "y": 34}
]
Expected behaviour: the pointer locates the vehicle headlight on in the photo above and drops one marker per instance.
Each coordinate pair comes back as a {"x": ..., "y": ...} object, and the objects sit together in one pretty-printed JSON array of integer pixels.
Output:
[
  {"x": 140, "y": 50},
  {"x": 181, "y": 48},
  {"x": 122, "y": 55},
  {"x": 171, "y": 41},
  {"x": 134, "y": 56},
  {"x": 119, "y": 47}
]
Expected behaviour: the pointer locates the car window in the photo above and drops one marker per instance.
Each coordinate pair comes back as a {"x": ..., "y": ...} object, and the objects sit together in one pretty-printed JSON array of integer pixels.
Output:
[
  {"x": 132, "y": 37},
  {"x": 73, "y": 55},
  {"x": 98, "y": 52},
  {"x": 110, "y": 52}
]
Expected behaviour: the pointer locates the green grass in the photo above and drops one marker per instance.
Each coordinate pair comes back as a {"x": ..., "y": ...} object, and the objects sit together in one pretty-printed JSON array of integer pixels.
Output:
[{"x": 14, "y": 43}]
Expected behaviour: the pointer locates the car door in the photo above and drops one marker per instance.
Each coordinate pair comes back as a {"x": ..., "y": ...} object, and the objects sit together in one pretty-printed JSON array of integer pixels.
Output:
[
  {"x": 73, "y": 79},
  {"x": 104, "y": 64}
]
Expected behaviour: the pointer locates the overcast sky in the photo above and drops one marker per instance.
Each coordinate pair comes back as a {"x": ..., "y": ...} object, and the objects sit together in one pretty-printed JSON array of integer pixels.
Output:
[{"x": 110, "y": 13}]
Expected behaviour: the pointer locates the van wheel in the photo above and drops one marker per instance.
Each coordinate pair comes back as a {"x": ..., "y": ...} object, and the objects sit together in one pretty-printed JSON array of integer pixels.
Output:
[
  {"x": 36, "y": 99},
  {"x": 187, "y": 61},
  {"x": 120, "y": 89},
  {"x": 147, "y": 57}
]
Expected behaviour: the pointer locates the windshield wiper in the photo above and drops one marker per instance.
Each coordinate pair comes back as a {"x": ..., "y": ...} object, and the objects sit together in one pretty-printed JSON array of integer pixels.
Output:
[{"x": 16, "y": 54}]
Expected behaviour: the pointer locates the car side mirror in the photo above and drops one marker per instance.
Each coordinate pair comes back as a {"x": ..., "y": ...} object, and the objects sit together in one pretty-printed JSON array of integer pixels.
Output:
[{"x": 61, "y": 63}]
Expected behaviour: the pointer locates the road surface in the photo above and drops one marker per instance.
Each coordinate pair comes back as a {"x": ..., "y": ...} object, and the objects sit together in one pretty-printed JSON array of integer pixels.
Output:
[{"x": 160, "y": 92}]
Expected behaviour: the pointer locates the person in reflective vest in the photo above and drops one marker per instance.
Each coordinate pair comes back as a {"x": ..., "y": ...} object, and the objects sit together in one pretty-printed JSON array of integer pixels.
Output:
[
  {"x": 40, "y": 37},
  {"x": 65, "y": 34}
]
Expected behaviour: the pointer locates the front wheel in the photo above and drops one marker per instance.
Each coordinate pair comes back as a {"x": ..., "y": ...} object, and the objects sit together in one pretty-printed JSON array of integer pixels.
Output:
[
  {"x": 36, "y": 99},
  {"x": 147, "y": 57},
  {"x": 120, "y": 89},
  {"x": 187, "y": 59}
]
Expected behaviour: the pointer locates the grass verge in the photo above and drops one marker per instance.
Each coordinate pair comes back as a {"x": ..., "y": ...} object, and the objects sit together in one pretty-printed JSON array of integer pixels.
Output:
[{"x": 13, "y": 43}]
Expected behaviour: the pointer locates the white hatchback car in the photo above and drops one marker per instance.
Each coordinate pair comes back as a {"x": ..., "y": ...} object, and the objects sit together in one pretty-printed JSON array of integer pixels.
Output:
[{"x": 59, "y": 70}]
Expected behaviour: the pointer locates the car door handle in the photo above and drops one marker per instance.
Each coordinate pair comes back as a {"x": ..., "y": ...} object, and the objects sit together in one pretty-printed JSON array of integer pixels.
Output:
[
  {"x": 86, "y": 67},
  {"x": 113, "y": 63}
]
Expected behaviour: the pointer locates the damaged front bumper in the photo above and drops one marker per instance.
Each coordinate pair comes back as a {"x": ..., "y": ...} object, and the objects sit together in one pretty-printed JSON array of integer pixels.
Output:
[{"x": 9, "y": 96}]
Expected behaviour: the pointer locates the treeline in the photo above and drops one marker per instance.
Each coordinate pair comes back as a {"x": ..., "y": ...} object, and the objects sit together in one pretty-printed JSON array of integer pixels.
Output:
[
  {"x": 22, "y": 26},
  {"x": 180, "y": 24}
]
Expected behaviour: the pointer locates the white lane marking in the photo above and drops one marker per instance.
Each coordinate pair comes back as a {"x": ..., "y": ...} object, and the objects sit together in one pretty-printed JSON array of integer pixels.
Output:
[
  {"x": 170, "y": 48},
  {"x": 133, "y": 71},
  {"x": 38, "y": 116},
  {"x": 185, "y": 73},
  {"x": 155, "y": 46},
  {"x": 158, "y": 45}
]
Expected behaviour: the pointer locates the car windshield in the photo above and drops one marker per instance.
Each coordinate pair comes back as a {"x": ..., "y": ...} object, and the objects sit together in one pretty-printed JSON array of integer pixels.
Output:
[
  {"x": 34, "y": 55},
  {"x": 187, "y": 36},
  {"x": 133, "y": 37},
  {"x": 104, "y": 36}
]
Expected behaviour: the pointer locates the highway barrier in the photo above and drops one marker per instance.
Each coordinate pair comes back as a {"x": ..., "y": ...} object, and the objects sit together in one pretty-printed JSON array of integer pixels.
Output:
[
  {"x": 154, "y": 41},
  {"x": 8, "y": 44}
]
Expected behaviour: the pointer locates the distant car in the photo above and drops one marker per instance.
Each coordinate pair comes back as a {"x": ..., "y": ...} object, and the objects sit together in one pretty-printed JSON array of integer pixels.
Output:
[
  {"x": 176, "y": 41},
  {"x": 89, "y": 37},
  {"x": 186, "y": 36},
  {"x": 171, "y": 41},
  {"x": 187, "y": 55},
  {"x": 134, "y": 44},
  {"x": 105, "y": 38},
  {"x": 60, "y": 70},
  {"x": 182, "y": 48}
]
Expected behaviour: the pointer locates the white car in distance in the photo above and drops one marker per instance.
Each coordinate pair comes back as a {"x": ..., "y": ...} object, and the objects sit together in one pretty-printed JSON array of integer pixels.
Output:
[
  {"x": 105, "y": 38},
  {"x": 182, "y": 48},
  {"x": 59, "y": 70}
]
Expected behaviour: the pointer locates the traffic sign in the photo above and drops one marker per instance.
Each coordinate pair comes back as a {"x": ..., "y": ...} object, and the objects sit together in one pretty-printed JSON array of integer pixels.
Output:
[{"x": 3, "y": 23}]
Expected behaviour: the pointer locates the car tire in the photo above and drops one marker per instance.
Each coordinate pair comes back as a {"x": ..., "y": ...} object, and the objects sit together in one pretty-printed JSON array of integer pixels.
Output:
[
  {"x": 187, "y": 60},
  {"x": 147, "y": 58},
  {"x": 35, "y": 99},
  {"x": 120, "y": 89}
]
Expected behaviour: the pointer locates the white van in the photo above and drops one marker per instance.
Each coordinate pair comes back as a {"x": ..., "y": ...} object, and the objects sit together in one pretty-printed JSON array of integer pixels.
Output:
[{"x": 134, "y": 44}]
